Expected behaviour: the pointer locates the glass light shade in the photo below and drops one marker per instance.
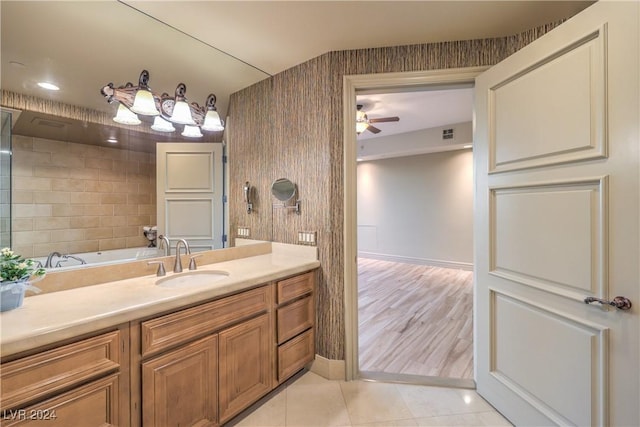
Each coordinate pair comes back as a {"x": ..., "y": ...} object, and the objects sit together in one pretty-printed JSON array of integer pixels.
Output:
[
  {"x": 361, "y": 126},
  {"x": 126, "y": 117},
  {"x": 212, "y": 121},
  {"x": 191, "y": 131},
  {"x": 161, "y": 125},
  {"x": 182, "y": 114},
  {"x": 144, "y": 104}
]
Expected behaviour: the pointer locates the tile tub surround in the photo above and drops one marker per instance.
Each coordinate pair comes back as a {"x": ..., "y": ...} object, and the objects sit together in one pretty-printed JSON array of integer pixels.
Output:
[
  {"x": 55, "y": 316},
  {"x": 71, "y": 198}
]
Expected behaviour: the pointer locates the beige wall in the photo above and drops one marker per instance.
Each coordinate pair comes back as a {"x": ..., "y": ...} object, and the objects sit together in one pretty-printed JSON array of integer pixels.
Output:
[
  {"x": 72, "y": 198},
  {"x": 417, "y": 209},
  {"x": 290, "y": 125}
]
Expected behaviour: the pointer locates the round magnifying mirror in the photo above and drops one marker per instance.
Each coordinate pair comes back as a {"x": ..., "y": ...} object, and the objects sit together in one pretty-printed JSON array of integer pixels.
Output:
[{"x": 283, "y": 189}]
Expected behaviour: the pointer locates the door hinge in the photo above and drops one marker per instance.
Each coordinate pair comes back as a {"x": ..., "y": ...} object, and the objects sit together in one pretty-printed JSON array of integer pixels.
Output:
[
  {"x": 224, "y": 199},
  {"x": 224, "y": 158},
  {"x": 224, "y": 238}
]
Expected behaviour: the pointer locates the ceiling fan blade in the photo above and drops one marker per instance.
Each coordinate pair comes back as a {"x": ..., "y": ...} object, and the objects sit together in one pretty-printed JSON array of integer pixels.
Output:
[
  {"x": 373, "y": 129},
  {"x": 384, "y": 119}
]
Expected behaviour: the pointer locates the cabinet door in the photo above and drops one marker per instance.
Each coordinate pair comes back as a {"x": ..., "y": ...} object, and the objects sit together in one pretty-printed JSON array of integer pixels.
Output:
[
  {"x": 245, "y": 365},
  {"x": 179, "y": 388}
]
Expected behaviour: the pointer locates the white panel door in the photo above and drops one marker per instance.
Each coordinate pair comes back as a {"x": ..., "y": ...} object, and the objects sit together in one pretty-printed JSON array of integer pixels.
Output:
[
  {"x": 189, "y": 190},
  {"x": 557, "y": 220}
]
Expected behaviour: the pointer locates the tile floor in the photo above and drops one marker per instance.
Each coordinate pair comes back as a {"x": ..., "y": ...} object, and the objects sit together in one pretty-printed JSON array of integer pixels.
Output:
[{"x": 311, "y": 400}]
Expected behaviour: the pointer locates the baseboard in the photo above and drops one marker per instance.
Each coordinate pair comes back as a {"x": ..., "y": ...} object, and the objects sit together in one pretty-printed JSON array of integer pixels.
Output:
[
  {"x": 419, "y": 261},
  {"x": 330, "y": 369}
]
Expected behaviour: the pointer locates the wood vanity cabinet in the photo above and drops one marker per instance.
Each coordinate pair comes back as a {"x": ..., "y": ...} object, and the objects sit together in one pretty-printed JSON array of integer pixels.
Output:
[
  {"x": 200, "y": 365},
  {"x": 295, "y": 322},
  {"x": 203, "y": 365},
  {"x": 83, "y": 383}
]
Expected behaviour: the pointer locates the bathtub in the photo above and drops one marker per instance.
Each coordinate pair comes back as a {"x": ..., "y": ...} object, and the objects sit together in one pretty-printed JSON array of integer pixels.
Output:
[{"x": 102, "y": 257}]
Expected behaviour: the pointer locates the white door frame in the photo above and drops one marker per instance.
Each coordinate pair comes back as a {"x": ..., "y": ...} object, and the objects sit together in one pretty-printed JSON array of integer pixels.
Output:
[{"x": 351, "y": 84}]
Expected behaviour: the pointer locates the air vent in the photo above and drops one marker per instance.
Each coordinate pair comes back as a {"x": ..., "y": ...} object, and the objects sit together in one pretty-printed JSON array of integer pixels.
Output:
[{"x": 447, "y": 133}]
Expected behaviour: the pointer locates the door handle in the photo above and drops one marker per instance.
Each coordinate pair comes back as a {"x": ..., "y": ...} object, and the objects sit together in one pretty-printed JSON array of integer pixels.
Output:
[{"x": 621, "y": 303}]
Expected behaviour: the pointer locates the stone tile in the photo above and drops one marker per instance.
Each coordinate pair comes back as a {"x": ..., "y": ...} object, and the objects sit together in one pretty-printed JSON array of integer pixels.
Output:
[
  {"x": 435, "y": 401},
  {"x": 270, "y": 413},
  {"x": 369, "y": 402},
  {"x": 316, "y": 405}
]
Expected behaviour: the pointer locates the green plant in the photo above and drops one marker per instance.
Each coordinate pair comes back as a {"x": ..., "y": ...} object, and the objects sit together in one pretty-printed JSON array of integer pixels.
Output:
[{"x": 13, "y": 267}]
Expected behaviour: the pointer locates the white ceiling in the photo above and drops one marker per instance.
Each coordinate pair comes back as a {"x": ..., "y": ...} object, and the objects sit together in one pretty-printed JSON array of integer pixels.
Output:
[
  {"x": 416, "y": 110},
  {"x": 223, "y": 46}
]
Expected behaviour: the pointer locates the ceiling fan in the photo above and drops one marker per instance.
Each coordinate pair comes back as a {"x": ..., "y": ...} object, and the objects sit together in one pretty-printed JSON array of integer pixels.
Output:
[{"x": 364, "y": 123}]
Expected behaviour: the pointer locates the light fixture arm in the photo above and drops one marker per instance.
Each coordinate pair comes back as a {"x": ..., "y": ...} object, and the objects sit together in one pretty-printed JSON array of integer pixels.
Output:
[
  {"x": 211, "y": 102},
  {"x": 143, "y": 80},
  {"x": 181, "y": 92}
]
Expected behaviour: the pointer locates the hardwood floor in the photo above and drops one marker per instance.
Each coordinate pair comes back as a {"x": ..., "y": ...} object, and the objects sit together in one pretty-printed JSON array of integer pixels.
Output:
[{"x": 415, "y": 319}]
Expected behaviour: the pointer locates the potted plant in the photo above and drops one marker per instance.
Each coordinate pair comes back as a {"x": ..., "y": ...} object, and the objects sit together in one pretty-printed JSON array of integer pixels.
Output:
[{"x": 16, "y": 276}]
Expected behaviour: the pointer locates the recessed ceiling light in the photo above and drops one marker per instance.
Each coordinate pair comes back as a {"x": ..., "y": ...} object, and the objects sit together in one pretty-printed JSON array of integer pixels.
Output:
[
  {"x": 467, "y": 146},
  {"x": 112, "y": 140},
  {"x": 48, "y": 86}
]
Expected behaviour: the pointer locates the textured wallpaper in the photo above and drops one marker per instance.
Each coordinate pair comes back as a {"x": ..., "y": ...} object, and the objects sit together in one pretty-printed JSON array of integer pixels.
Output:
[{"x": 290, "y": 125}]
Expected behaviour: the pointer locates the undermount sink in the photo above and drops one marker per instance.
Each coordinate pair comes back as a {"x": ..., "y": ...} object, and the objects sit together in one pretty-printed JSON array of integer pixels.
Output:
[{"x": 192, "y": 278}]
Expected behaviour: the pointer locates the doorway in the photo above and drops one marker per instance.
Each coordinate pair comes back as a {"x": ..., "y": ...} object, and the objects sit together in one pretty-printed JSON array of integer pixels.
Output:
[
  {"x": 431, "y": 80},
  {"x": 415, "y": 234}
]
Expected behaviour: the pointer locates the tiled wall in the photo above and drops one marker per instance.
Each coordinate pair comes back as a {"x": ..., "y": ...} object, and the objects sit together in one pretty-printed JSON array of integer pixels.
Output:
[
  {"x": 5, "y": 181},
  {"x": 72, "y": 198}
]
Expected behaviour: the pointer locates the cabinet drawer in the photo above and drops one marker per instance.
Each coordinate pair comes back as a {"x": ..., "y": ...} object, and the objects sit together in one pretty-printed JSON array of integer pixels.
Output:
[
  {"x": 294, "y": 287},
  {"x": 94, "y": 404},
  {"x": 294, "y": 354},
  {"x": 176, "y": 328},
  {"x": 34, "y": 377},
  {"x": 295, "y": 318}
]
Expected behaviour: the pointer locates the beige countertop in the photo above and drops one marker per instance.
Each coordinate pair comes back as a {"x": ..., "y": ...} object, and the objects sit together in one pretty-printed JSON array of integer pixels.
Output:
[{"x": 51, "y": 317}]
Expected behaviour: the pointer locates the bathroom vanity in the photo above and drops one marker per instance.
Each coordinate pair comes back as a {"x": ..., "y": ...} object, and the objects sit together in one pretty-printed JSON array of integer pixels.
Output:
[{"x": 195, "y": 355}]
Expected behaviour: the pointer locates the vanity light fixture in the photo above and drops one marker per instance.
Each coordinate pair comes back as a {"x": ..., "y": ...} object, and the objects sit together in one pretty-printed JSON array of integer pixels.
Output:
[
  {"x": 191, "y": 131},
  {"x": 212, "y": 121},
  {"x": 143, "y": 102},
  {"x": 140, "y": 100},
  {"x": 181, "y": 113},
  {"x": 126, "y": 116},
  {"x": 161, "y": 125}
]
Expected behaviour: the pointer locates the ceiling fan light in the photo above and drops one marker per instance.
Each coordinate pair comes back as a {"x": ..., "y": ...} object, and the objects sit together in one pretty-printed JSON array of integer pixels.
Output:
[
  {"x": 161, "y": 125},
  {"x": 191, "y": 131},
  {"x": 361, "y": 126},
  {"x": 212, "y": 121},
  {"x": 182, "y": 114},
  {"x": 144, "y": 103},
  {"x": 126, "y": 117}
]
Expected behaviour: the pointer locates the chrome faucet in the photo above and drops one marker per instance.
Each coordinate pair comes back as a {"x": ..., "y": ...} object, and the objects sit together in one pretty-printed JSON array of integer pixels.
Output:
[
  {"x": 164, "y": 241},
  {"x": 66, "y": 258},
  {"x": 48, "y": 264},
  {"x": 177, "y": 267}
]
